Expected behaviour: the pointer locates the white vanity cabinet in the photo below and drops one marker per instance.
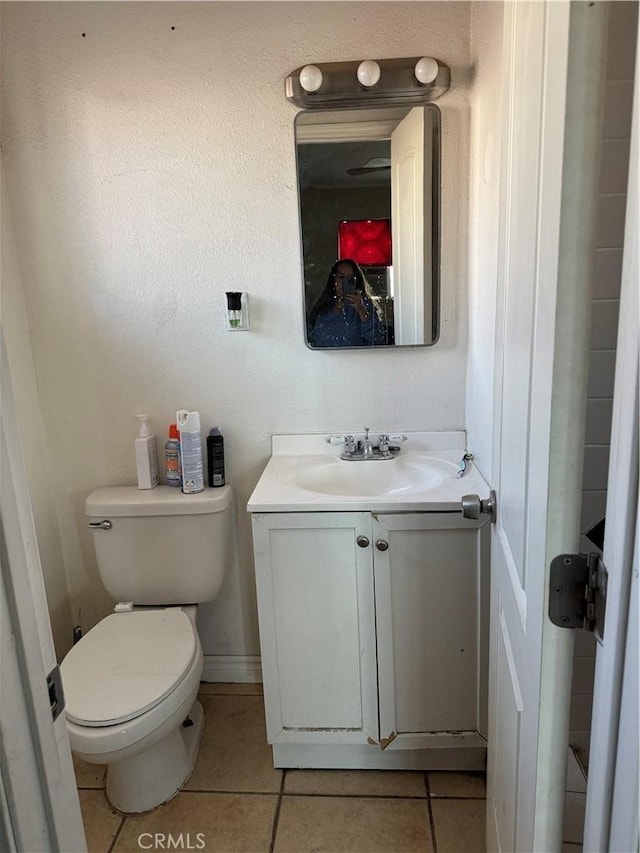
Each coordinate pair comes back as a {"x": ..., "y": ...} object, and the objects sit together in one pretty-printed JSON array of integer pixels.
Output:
[{"x": 373, "y": 631}]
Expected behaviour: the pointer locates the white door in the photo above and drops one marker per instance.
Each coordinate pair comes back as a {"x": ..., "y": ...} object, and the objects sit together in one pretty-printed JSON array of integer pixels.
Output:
[
  {"x": 612, "y": 793},
  {"x": 411, "y": 227},
  {"x": 39, "y": 807},
  {"x": 552, "y": 84}
]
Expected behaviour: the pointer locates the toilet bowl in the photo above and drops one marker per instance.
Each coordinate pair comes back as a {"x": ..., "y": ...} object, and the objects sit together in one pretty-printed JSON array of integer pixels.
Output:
[{"x": 131, "y": 684}]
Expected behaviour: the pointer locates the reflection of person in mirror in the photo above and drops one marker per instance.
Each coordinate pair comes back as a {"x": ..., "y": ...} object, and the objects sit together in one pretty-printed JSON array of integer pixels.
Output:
[{"x": 346, "y": 314}]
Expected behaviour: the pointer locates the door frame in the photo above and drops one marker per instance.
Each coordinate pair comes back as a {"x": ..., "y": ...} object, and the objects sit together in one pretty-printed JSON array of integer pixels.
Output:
[
  {"x": 612, "y": 787},
  {"x": 38, "y": 794}
]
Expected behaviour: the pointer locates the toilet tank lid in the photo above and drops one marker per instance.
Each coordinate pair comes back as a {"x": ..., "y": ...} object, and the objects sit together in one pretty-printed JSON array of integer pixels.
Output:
[{"x": 163, "y": 500}]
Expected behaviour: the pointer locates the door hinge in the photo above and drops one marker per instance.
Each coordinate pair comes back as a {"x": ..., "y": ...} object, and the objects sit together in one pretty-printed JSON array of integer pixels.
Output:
[
  {"x": 577, "y": 592},
  {"x": 56, "y": 693}
]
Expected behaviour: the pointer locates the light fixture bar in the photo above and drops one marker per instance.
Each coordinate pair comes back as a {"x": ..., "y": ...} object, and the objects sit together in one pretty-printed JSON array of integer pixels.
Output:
[{"x": 399, "y": 82}]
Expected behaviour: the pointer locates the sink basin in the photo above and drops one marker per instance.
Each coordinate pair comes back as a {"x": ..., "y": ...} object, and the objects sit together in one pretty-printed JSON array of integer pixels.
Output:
[
  {"x": 305, "y": 474},
  {"x": 399, "y": 476}
]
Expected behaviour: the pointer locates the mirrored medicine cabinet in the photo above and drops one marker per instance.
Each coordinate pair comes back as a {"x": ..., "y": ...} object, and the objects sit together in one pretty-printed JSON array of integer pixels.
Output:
[{"x": 369, "y": 190}]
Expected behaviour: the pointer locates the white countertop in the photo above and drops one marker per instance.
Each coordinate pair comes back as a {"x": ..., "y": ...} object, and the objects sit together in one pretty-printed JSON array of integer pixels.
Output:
[{"x": 437, "y": 454}]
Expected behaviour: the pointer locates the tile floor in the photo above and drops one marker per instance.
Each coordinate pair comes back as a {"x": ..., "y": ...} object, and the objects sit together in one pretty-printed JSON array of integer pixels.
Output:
[{"x": 238, "y": 802}]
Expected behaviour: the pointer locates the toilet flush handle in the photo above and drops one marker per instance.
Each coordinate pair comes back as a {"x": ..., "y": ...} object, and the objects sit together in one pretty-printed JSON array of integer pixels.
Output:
[{"x": 101, "y": 525}]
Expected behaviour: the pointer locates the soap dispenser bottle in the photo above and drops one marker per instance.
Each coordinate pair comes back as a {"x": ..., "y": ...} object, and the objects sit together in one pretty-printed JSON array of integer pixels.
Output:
[{"x": 146, "y": 456}]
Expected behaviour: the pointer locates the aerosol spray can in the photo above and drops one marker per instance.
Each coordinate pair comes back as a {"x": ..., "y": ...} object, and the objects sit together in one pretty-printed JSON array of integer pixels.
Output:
[
  {"x": 172, "y": 458},
  {"x": 188, "y": 424}
]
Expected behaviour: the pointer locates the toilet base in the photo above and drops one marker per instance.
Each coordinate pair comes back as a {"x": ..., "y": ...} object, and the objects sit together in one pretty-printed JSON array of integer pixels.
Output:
[{"x": 155, "y": 775}]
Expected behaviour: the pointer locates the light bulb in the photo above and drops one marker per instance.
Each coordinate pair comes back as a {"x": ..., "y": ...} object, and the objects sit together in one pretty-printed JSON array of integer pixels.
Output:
[
  {"x": 426, "y": 70},
  {"x": 368, "y": 73},
  {"x": 311, "y": 78}
]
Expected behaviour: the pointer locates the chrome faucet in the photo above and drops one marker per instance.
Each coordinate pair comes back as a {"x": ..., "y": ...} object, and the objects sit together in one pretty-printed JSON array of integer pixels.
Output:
[
  {"x": 365, "y": 445},
  {"x": 364, "y": 450}
]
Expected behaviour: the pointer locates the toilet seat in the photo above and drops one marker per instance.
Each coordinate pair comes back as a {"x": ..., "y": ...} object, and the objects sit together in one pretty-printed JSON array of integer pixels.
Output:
[{"x": 126, "y": 665}]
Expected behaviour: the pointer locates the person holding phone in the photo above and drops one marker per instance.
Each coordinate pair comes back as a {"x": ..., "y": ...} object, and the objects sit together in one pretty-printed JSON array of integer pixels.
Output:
[{"x": 346, "y": 314}]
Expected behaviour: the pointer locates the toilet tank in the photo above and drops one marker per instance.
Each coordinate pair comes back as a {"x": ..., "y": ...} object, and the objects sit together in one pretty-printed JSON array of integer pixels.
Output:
[{"x": 160, "y": 546}]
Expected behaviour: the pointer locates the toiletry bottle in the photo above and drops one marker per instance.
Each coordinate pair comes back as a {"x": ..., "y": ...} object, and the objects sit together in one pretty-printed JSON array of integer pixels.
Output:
[
  {"x": 146, "y": 456},
  {"x": 188, "y": 424},
  {"x": 172, "y": 458},
  {"x": 215, "y": 457}
]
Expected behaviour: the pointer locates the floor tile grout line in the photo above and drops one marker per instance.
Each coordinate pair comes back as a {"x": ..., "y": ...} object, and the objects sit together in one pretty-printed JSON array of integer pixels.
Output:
[
  {"x": 389, "y": 796},
  {"x": 338, "y": 794},
  {"x": 117, "y": 835},
  {"x": 234, "y": 792},
  {"x": 355, "y": 796},
  {"x": 432, "y": 822},
  {"x": 206, "y": 694},
  {"x": 276, "y": 814},
  {"x": 454, "y": 797}
]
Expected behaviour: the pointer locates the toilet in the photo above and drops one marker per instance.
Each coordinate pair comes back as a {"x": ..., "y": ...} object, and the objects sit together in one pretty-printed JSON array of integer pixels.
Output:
[{"x": 131, "y": 682}]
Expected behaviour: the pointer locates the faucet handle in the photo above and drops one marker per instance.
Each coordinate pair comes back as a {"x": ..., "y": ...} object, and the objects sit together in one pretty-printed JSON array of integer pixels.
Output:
[
  {"x": 348, "y": 440},
  {"x": 350, "y": 444},
  {"x": 398, "y": 438},
  {"x": 336, "y": 439},
  {"x": 383, "y": 443}
]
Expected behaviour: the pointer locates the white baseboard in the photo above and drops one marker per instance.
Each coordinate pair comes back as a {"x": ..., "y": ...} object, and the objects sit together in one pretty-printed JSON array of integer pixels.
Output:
[{"x": 245, "y": 669}]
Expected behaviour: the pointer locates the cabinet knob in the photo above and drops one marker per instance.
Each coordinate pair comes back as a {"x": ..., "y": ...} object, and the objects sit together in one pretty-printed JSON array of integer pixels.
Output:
[
  {"x": 382, "y": 545},
  {"x": 362, "y": 541}
]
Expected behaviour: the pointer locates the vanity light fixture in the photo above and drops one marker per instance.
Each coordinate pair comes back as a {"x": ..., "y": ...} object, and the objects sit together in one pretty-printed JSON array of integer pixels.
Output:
[
  {"x": 410, "y": 81},
  {"x": 368, "y": 73},
  {"x": 237, "y": 311}
]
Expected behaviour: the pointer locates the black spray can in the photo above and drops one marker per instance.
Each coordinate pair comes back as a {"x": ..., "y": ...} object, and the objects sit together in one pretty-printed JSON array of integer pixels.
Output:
[{"x": 215, "y": 457}]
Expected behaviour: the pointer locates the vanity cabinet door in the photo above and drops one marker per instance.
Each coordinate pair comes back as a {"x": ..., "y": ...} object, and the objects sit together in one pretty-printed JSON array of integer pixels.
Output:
[
  {"x": 432, "y": 617},
  {"x": 317, "y": 627}
]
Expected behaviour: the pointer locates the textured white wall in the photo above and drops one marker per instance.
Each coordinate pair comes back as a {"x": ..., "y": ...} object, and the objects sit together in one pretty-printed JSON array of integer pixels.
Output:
[
  {"x": 15, "y": 331},
  {"x": 150, "y": 163}
]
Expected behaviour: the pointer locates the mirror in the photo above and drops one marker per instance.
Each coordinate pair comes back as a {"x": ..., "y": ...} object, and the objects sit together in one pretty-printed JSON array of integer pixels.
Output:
[{"x": 369, "y": 193}]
